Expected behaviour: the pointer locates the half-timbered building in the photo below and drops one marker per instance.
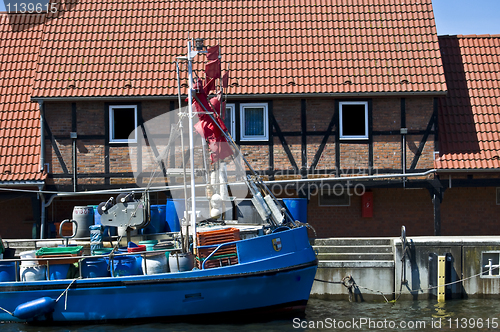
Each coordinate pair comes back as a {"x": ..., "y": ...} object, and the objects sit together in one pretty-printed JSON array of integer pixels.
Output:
[{"x": 317, "y": 89}]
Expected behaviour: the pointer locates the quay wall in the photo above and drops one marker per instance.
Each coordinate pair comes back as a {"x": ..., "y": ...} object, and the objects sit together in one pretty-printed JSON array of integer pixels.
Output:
[{"x": 414, "y": 276}]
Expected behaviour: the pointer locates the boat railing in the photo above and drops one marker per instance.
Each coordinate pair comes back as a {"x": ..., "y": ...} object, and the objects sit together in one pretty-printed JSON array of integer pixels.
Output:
[
  {"x": 73, "y": 259},
  {"x": 218, "y": 246}
]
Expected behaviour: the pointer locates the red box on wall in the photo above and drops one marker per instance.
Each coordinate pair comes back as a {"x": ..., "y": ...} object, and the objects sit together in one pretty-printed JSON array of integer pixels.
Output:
[{"x": 367, "y": 205}]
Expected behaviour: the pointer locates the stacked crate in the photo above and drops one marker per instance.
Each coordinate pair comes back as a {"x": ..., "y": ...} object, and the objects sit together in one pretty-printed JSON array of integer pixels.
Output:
[{"x": 227, "y": 255}]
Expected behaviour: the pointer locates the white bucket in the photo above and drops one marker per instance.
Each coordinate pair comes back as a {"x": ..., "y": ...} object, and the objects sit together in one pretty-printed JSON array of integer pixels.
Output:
[
  {"x": 155, "y": 263},
  {"x": 31, "y": 270},
  {"x": 28, "y": 254},
  {"x": 32, "y": 273},
  {"x": 179, "y": 262}
]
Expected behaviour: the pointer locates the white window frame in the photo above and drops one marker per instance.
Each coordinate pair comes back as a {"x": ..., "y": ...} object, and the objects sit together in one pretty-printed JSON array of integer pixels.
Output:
[
  {"x": 265, "y": 136},
  {"x": 232, "y": 110},
  {"x": 112, "y": 109},
  {"x": 353, "y": 137}
]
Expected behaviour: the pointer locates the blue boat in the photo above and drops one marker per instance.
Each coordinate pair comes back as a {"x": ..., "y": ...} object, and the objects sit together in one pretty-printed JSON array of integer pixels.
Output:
[
  {"x": 264, "y": 279},
  {"x": 212, "y": 273}
]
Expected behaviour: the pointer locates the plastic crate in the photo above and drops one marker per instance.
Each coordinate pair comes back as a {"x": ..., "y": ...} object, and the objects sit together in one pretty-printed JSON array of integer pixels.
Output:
[
  {"x": 226, "y": 250},
  {"x": 74, "y": 250},
  {"x": 218, "y": 261},
  {"x": 59, "y": 252},
  {"x": 218, "y": 236}
]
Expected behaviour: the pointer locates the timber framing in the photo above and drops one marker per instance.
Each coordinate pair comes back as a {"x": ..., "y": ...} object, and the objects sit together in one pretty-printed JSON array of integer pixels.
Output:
[{"x": 278, "y": 137}]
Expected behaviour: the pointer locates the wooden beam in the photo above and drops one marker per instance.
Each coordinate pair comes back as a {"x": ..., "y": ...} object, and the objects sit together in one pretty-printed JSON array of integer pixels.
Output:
[
  {"x": 55, "y": 148},
  {"x": 424, "y": 139},
  {"x": 303, "y": 127},
  {"x": 283, "y": 142},
  {"x": 318, "y": 154}
]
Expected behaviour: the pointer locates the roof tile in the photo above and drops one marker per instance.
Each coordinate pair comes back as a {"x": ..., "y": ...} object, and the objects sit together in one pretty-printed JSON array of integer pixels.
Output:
[
  {"x": 19, "y": 116},
  {"x": 469, "y": 117},
  {"x": 94, "y": 38}
]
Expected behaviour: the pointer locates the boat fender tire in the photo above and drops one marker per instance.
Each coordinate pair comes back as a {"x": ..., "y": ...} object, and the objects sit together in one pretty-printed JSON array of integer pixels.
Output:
[
  {"x": 124, "y": 198},
  {"x": 99, "y": 208}
]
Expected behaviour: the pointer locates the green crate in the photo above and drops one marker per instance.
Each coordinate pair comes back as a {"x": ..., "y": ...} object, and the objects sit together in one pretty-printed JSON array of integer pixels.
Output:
[{"x": 75, "y": 250}]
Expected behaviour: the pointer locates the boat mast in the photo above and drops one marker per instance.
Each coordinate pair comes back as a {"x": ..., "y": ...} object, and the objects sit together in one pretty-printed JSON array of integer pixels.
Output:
[{"x": 190, "y": 55}]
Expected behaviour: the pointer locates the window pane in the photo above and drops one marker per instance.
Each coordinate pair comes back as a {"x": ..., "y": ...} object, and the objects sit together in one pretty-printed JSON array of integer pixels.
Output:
[
  {"x": 228, "y": 120},
  {"x": 353, "y": 120},
  {"x": 254, "y": 121},
  {"x": 123, "y": 122}
]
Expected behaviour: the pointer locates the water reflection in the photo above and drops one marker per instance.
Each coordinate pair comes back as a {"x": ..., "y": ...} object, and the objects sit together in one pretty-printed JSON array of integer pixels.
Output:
[
  {"x": 441, "y": 312},
  {"x": 463, "y": 315}
]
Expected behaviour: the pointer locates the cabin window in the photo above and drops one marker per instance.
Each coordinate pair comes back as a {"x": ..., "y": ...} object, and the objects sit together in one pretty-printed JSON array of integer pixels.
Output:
[
  {"x": 229, "y": 120},
  {"x": 353, "y": 120},
  {"x": 335, "y": 196},
  {"x": 254, "y": 122},
  {"x": 122, "y": 123}
]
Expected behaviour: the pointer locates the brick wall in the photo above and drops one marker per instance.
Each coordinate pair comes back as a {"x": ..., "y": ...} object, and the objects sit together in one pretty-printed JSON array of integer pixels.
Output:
[
  {"x": 319, "y": 112},
  {"x": 470, "y": 211},
  {"x": 392, "y": 208},
  {"x": 90, "y": 119},
  {"x": 386, "y": 116},
  {"x": 16, "y": 218}
]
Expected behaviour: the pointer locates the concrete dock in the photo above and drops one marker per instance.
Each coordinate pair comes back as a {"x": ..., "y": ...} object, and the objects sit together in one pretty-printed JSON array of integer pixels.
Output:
[{"x": 380, "y": 269}]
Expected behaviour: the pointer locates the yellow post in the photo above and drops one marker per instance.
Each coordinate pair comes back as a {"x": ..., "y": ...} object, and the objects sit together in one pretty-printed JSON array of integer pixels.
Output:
[{"x": 441, "y": 278}]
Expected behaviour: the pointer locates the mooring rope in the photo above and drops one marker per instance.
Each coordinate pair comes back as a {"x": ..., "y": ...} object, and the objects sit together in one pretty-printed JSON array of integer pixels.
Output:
[
  {"x": 65, "y": 292},
  {"x": 343, "y": 282},
  {"x": 7, "y": 311}
]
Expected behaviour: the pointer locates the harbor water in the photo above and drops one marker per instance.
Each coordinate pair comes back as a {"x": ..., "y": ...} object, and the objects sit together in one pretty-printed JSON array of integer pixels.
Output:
[{"x": 322, "y": 315}]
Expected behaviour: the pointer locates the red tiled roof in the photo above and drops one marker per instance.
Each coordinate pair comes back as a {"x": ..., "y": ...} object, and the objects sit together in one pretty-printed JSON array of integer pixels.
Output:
[
  {"x": 128, "y": 48},
  {"x": 469, "y": 116},
  {"x": 20, "y": 37}
]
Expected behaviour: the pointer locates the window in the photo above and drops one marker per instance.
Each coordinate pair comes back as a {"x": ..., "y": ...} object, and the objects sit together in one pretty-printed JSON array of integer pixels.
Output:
[
  {"x": 229, "y": 119},
  {"x": 336, "y": 196},
  {"x": 254, "y": 122},
  {"x": 498, "y": 196},
  {"x": 353, "y": 120},
  {"x": 122, "y": 122}
]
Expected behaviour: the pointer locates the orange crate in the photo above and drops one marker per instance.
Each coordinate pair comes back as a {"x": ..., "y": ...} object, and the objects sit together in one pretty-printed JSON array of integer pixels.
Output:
[
  {"x": 218, "y": 236},
  {"x": 227, "y": 250}
]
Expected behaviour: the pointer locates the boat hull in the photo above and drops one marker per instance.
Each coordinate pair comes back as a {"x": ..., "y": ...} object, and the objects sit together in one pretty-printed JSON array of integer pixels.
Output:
[{"x": 265, "y": 279}]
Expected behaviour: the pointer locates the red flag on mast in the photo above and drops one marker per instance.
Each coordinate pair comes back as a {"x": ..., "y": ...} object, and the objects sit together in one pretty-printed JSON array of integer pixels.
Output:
[
  {"x": 209, "y": 86},
  {"x": 212, "y": 69},
  {"x": 225, "y": 79},
  {"x": 213, "y": 52}
]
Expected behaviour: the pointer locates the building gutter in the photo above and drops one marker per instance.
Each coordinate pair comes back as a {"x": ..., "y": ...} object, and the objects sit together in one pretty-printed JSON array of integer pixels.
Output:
[
  {"x": 42, "y": 135},
  {"x": 355, "y": 178},
  {"x": 253, "y": 96},
  {"x": 21, "y": 184}
]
